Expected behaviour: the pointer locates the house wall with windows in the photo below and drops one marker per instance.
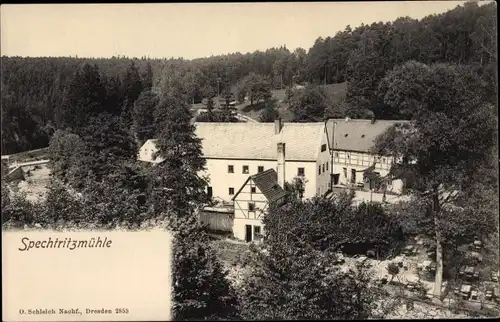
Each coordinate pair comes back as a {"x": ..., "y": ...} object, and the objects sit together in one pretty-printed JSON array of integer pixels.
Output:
[
  {"x": 252, "y": 202},
  {"x": 352, "y": 165},
  {"x": 224, "y": 184},
  {"x": 323, "y": 171},
  {"x": 350, "y": 142},
  {"x": 250, "y": 207}
]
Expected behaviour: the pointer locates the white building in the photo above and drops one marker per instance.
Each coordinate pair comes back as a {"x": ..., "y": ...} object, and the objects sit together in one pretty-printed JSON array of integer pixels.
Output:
[
  {"x": 234, "y": 151},
  {"x": 351, "y": 155},
  {"x": 248, "y": 163}
]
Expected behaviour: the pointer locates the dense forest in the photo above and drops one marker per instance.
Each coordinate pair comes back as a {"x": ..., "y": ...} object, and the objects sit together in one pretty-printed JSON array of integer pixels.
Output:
[{"x": 37, "y": 93}]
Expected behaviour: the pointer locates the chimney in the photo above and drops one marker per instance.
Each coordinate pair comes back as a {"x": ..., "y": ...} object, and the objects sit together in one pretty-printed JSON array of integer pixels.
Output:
[
  {"x": 277, "y": 126},
  {"x": 281, "y": 164},
  {"x": 347, "y": 119},
  {"x": 373, "y": 119}
]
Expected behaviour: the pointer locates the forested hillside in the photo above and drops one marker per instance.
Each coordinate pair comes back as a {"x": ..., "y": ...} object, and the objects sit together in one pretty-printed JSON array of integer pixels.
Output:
[{"x": 38, "y": 92}]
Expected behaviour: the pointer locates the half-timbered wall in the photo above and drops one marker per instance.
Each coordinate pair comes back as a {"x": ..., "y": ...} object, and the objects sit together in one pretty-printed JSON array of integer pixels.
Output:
[
  {"x": 243, "y": 215},
  {"x": 345, "y": 161}
]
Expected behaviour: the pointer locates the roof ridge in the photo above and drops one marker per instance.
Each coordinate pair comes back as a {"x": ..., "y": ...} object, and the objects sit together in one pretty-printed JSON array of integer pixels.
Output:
[{"x": 262, "y": 173}]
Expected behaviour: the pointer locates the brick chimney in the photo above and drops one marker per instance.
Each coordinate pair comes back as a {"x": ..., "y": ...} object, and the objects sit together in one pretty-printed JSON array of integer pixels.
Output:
[
  {"x": 281, "y": 164},
  {"x": 277, "y": 126}
]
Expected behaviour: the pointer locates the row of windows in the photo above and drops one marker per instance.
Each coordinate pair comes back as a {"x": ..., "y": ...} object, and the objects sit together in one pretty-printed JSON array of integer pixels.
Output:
[
  {"x": 244, "y": 169},
  {"x": 231, "y": 190},
  {"x": 378, "y": 159},
  {"x": 322, "y": 168}
]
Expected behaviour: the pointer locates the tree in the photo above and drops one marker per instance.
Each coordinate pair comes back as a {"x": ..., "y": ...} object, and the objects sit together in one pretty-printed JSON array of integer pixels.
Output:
[
  {"x": 114, "y": 96},
  {"x": 294, "y": 277},
  {"x": 132, "y": 87},
  {"x": 270, "y": 111},
  {"x": 109, "y": 144},
  {"x": 17, "y": 211},
  {"x": 65, "y": 151},
  {"x": 176, "y": 180},
  {"x": 201, "y": 288},
  {"x": 296, "y": 188},
  {"x": 339, "y": 109},
  {"x": 126, "y": 206},
  {"x": 61, "y": 206},
  {"x": 308, "y": 104},
  {"x": 143, "y": 116},
  {"x": 256, "y": 86},
  {"x": 449, "y": 137},
  {"x": 147, "y": 78},
  {"x": 86, "y": 98}
]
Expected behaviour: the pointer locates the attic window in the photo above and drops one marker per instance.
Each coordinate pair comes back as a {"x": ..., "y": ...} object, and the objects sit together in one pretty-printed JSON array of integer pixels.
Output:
[{"x": 275, "y": 186}]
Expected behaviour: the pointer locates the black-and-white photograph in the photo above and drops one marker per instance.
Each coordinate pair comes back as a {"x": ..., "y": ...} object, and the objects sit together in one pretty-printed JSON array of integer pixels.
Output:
[{"x": 314, "y": 161}]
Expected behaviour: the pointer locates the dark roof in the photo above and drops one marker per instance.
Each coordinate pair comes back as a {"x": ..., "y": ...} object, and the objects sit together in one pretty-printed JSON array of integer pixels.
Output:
[
  {"x": 356, "y": 135},
  {"x": 267, "y": 182}
]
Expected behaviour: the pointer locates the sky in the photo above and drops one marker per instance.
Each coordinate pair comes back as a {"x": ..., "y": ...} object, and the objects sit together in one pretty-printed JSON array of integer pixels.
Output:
[{"x": 188, "y": 30}]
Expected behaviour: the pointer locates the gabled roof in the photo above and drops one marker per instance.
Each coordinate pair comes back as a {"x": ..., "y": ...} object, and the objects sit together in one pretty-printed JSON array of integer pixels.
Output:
[
  {"x": 356, "y": 135},
  {"x": 258, "y": 141},
  {"x": 267, "y": 182}
]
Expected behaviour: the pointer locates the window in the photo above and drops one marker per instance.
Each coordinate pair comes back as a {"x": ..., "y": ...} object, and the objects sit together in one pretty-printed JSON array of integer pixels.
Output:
[
  {"x": 383, "y": 160},
  {"x": 323, "y": 148},
  {"x": 252, "y": 189},
  {"x": 353, "y": 175},
  {"x": 231, "y": 191},
  {"x": 323, "y": 168},
  {"x": 345, "y": 172},
  {"x": 230, "y": 169},
  {"x": 319, "y": 169},
  {"x": 336, "y": 154},
  {"x": 251, "y": 206},
  {"x": 245, "y": 169},
  {"x": 300, "y": 172},
  {"x": 256, "y": 233},
  {"x": 260, "y": 169},
  {"x": 327, "y": 166}
]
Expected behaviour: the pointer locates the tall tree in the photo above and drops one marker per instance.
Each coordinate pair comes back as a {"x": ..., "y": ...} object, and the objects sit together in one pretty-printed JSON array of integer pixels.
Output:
[
  {"x": 114, "y": 96},
  {"x": 86, "y": 98},
  {"x": 450, "y": 135},
  {"x": 132, "y": 88},
  {"x": 147, "y": 77},
  {"x": 270, "y": 111},
  {"x": 176, "y": 179},
  {"x": 143, "y": 117}
]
